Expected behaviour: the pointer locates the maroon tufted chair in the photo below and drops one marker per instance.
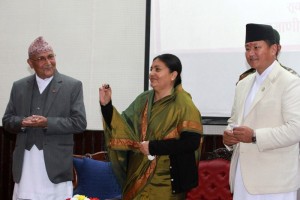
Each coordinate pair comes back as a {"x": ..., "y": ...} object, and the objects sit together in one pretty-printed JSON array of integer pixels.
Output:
[{"x": 213, "y": 183}]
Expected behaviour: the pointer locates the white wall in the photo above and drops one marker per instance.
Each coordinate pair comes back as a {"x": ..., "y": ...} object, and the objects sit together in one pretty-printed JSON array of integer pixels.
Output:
[{"x": 96, "y": 41}]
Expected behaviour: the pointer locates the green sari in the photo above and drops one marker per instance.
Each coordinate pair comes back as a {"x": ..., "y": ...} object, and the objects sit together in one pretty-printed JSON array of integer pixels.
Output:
[{"x": 145, "y": 120}]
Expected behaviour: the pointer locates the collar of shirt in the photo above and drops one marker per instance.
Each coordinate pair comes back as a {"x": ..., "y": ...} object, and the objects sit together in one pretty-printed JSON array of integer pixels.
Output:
[
  {"x": 259, "y": 78},
  {"x": 43, "y": 83}
]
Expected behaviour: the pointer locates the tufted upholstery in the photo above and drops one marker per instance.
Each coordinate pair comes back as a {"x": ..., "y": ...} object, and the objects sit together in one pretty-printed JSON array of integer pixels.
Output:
[{"x": 213, "y": 183}]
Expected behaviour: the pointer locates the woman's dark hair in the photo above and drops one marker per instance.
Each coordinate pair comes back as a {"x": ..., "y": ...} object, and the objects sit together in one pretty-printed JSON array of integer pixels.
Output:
[{"x": 173, "y": 63}]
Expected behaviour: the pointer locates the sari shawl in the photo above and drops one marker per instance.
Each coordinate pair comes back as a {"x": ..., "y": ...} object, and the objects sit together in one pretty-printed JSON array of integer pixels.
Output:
[{"x": 145, "y": 120}]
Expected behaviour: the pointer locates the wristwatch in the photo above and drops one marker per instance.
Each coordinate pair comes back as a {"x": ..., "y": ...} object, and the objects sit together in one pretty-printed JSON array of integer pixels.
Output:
[{"x": 254, "y": 137}]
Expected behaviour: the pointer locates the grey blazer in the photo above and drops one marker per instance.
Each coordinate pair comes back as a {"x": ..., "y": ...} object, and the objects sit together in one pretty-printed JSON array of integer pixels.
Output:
[{"x": 65, "y": 112}]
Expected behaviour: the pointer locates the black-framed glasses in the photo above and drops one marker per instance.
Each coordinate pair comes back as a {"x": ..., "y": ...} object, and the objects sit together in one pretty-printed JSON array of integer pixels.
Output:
[{"x": 50, "y": 57}]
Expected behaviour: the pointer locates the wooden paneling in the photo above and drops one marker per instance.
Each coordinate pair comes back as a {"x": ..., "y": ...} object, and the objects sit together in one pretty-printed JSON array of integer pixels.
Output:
[{"x": 7, "y": 144}]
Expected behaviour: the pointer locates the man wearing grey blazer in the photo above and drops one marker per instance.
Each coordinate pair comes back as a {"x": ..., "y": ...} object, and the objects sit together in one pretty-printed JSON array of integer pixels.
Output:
[
  {"x": 264, "y": 127},
  {"x": 44, "y": 110}
]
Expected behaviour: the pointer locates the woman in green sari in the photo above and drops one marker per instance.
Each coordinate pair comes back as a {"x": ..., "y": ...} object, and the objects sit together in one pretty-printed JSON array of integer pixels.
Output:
[{"x": 153, "y": 144}]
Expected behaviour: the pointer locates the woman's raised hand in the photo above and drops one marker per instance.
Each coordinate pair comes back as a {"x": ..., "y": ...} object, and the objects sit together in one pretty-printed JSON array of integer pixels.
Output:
[{"x": 104, "y": 94}]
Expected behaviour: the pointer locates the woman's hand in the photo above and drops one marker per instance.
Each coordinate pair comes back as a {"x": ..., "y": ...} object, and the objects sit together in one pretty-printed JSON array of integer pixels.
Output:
[
  {"x": 144, "y": 147},
  {"x": 104, "y": 94}
]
